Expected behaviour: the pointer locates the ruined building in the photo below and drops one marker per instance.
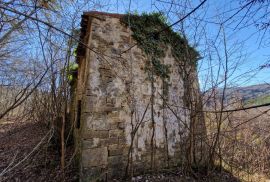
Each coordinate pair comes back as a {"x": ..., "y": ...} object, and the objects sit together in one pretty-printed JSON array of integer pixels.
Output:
[{"x": 136, "y": 97}]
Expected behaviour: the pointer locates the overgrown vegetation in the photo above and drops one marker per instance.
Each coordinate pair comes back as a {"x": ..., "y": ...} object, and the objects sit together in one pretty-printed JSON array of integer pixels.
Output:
[
  {"x": 147, "y": 31},
  {"x": 72, "y": 73}
]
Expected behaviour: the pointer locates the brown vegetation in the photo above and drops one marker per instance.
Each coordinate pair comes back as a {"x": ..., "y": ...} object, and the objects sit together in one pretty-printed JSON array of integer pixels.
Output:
[{"x": 26, "y": 154}]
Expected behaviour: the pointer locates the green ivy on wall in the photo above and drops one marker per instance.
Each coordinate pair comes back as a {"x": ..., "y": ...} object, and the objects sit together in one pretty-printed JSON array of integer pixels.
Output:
[
  {"x": 72, "y": 73},
  {"x": 146, "y": 31}
]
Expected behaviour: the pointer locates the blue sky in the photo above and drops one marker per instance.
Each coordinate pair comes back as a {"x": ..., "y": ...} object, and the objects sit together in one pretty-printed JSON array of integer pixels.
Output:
[{"x": 245, "y": 47}]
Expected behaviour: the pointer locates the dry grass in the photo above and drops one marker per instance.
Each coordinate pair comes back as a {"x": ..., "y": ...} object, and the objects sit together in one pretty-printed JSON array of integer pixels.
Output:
[
  {"x": 244, "y": 142},
  {"x": 17, "y": 141}
]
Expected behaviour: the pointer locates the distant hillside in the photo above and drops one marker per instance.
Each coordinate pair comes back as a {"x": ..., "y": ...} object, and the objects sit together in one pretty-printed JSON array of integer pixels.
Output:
[
  {"x": 258, "y": 100},
  {"x": 249, "y": 92},
  {"x": 250, "y": 95}
]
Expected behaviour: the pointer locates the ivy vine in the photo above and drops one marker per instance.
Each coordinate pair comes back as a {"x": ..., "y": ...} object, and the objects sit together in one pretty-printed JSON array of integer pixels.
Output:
[
  {"x": 72, "y": 73},
  {"x": 146, "y": 31}
]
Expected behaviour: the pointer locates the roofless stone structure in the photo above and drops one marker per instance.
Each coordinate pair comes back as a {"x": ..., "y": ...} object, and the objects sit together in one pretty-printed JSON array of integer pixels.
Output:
[{"x": 136, "y": 98}]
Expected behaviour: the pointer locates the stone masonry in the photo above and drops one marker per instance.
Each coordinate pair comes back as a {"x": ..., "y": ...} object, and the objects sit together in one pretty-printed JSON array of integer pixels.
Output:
[{"x": 119, "y": 129}]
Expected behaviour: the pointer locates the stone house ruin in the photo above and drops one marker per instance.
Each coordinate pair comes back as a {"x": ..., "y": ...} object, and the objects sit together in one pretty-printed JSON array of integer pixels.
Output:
[{"x": 134, "y": 101}]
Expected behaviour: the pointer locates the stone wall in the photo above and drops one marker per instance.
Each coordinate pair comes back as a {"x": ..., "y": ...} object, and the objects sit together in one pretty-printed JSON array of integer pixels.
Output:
[{"x": 125, "y": 127}]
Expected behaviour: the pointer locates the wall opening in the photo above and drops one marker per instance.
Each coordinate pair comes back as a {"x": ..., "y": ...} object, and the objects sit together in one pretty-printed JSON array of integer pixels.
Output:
[{"x": 78, "y": 117}]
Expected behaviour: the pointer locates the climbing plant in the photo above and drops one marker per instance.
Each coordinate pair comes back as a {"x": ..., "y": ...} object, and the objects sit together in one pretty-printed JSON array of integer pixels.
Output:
[
  {"x": 72, "y": 72},
  {"x": 146, "y": 30}
]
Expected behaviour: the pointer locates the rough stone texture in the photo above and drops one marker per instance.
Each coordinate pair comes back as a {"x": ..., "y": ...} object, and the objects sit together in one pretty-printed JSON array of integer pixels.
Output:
[
  {"x": 95, "y": 157},
  {"x": 115, "y": 93}
]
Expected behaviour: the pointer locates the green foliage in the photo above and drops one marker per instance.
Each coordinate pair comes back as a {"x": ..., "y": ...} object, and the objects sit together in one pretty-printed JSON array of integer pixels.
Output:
[
  {"x": 72, "y": 72},
  {"x": 75, "y": 52},
  {"x": 160, "y": 69},
  {"x": 258, "y": 100},
  {"x": 146, "y": 29}
]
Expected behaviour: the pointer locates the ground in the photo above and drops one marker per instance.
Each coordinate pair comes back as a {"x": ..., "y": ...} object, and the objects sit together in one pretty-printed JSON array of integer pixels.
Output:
[
  {"x": 18, "y": 140},
  {"x": 179, "y": 176}
]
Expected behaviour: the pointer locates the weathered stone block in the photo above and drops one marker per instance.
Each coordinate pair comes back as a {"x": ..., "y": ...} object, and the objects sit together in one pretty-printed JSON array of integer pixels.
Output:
[
  {"x": 115, "y": 159},
  {"x": 115, "y": 152},
  {"x": 91, "y": 143},
  {"x": 110, "y": 101},
  {"x": 95, "y": 157},
  {"x": 106, "y": 109},
  {"x": 108, "y": 141},
  {"x": 114, "y": 146},
  {"x": 122, "y": 141},
  {"x": 116, "y": 133},
  {"x": 115, "y": 149},
  {"x": 113, "y": 126},
  {"x": 114, "y": 116},
  {"x": 116, "y": 166},
  {"x": 97, "y": 122},
  {"x": 90, "y": 93},
  {"x": 97, "y": 142},
  {"x": 89, "y": 134},
  {"x": 121, "y": 125},
  {"x": 89, "y": 103}
]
